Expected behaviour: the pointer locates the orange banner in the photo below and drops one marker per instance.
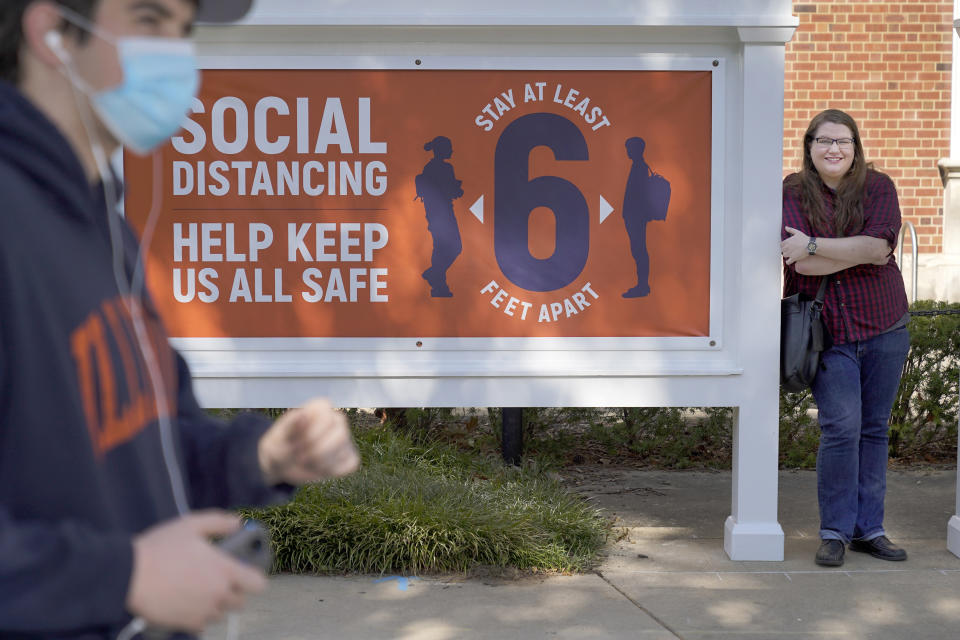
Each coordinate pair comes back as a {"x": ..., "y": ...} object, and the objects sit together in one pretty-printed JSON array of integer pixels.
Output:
[{"x": 335, "y": 203}]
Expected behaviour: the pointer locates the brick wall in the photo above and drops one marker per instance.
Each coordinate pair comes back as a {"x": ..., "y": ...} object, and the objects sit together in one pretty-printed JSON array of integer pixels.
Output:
[{"x": 887, "y": 64}]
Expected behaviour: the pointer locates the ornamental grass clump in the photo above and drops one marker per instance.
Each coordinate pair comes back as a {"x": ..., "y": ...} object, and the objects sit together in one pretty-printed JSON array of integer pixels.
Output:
[{"x": 420, "y": 508}]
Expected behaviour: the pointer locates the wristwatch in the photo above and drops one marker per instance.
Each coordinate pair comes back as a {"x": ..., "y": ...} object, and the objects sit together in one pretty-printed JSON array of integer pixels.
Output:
[{"x": 812, "y": 246}]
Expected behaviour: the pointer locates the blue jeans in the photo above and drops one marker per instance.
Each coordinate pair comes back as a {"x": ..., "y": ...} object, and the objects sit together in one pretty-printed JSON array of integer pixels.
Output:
[{"x": 855, "y": 389}]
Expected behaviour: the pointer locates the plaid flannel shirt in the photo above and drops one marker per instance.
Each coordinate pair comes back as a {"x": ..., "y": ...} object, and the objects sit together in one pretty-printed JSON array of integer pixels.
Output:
[{"x": 863, "y": 301}]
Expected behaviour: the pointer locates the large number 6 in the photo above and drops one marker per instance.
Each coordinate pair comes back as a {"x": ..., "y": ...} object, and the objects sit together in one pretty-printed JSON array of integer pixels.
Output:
[{"x": 516, "y": 196}]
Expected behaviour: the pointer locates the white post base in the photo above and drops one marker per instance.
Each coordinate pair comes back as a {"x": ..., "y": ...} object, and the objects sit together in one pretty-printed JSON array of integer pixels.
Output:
[
  {"x": 953, "y": 535},
  {"x": 753, "y": 540}
]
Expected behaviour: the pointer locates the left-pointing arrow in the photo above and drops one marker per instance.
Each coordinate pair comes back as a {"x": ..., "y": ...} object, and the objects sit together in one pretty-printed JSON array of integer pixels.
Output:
[
  {"x": 605, "y": 209},
  {"x": 477, "y": 209}
]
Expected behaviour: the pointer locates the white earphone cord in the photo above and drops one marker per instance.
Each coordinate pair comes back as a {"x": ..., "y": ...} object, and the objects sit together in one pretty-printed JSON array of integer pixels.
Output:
[
  {"x": 131, "y": 293},
  {"x": 133, "y": 304}
]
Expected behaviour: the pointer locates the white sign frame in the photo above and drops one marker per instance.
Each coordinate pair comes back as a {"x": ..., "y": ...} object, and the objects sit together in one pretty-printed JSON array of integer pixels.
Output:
[{"x": 740, "y": 370}]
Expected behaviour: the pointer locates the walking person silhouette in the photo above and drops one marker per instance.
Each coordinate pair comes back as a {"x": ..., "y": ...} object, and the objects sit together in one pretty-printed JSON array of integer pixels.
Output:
[
  {"x": 645, "y": 198},
  {"x": 437, "y": 187}
]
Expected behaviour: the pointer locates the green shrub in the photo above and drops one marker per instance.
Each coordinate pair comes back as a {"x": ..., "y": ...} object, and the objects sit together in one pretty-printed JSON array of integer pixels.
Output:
[
  {"x": 924, "y": 418},
  {"x": 799, "y": 432},
  {"x": 677, "y": 438}
]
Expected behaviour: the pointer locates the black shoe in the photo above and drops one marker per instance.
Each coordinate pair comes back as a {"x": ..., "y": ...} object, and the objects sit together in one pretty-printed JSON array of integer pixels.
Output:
[
  {"x": 830, "y": 553},
  {"x": 879, "y": 547}
]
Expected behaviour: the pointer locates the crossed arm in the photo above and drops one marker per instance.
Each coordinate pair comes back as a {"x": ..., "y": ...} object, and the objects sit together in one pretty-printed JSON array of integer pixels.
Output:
[{"x": 833, "y": 254}]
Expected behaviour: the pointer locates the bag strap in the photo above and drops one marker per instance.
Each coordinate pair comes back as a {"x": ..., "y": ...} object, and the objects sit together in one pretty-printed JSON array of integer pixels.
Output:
[
  {"x": 816, "y": 327},
  {"x": 821, "y": 292}
]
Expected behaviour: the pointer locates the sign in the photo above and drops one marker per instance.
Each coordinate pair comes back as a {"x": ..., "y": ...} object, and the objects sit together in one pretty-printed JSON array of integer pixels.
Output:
[
  {"x": 315, "y": 264},
  {"x": 434, "y": 203}
]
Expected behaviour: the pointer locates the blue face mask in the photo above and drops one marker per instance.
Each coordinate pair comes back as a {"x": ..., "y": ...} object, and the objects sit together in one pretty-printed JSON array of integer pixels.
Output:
[{"x": 160, "y": 80}]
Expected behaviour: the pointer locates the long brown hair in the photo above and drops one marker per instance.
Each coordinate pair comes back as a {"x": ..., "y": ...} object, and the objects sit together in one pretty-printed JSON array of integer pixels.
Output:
[{"x": 848, "y": 204}]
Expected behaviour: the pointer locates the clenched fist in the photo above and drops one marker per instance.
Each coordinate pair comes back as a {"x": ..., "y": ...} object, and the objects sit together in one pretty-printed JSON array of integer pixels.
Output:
[{"x": 308, "y": 444}]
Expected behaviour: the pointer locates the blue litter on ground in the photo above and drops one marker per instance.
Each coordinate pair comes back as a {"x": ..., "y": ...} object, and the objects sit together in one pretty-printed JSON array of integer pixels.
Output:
[{"x": 402, "y": 581}]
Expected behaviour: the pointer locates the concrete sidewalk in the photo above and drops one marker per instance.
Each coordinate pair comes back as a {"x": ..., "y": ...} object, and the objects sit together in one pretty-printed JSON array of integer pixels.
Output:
[{"x": 667, "y": 578}]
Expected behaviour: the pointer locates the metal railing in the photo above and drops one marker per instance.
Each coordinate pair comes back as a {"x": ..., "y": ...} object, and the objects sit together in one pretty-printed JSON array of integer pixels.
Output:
[{"x": 908, "y": 226}]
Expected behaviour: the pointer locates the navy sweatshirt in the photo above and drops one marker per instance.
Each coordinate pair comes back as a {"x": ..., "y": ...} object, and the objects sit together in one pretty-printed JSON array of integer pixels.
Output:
[{"x": 81, "y": 468}]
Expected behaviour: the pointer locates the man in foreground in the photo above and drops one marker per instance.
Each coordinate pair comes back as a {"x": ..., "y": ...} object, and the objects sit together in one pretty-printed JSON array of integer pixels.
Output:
[{"x": 104, "y": 451}]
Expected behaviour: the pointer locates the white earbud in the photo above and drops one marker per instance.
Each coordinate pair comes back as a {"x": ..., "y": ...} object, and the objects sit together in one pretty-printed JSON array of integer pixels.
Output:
[{"x": 55, "y": 41}]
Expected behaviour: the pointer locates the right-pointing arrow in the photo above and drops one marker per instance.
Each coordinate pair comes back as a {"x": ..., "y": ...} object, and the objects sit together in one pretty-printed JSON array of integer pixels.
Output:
[
  {"x": 477, "y": 209},
  {"x": 605, "y": 209}
]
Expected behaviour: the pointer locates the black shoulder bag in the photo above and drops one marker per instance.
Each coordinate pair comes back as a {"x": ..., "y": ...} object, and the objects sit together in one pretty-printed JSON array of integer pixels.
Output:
[{"x": 802, "y": 338}]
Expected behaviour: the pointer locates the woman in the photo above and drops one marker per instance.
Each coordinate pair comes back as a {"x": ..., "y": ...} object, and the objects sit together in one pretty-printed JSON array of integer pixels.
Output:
[
  {"x": 438, "y": 187},
  {"x": 841, "y": 220}
]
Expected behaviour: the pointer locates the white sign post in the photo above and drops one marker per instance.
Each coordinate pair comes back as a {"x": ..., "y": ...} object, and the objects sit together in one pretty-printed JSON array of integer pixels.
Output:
[
  {"x": 953, "y": 528},
  {"x": 740, "y": 44}
]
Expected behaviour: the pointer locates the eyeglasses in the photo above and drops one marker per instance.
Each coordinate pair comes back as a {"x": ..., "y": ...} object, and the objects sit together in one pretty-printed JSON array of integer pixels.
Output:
[{"x": 843, "y": 143}]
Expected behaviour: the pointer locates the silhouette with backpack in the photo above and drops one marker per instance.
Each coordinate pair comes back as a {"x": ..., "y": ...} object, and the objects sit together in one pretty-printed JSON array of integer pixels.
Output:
[{"x": 645, "y": 199}]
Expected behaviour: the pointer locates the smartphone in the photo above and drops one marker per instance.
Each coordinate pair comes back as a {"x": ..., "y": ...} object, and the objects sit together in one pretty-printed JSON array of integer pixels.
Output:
[{"x": 250, "y": 544}]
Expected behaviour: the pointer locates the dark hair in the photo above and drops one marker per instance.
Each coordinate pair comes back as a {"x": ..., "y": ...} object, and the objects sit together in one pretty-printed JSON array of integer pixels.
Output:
[
  {"x": 11, "y": 31},
  {"x": 848, "y": 207}
]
